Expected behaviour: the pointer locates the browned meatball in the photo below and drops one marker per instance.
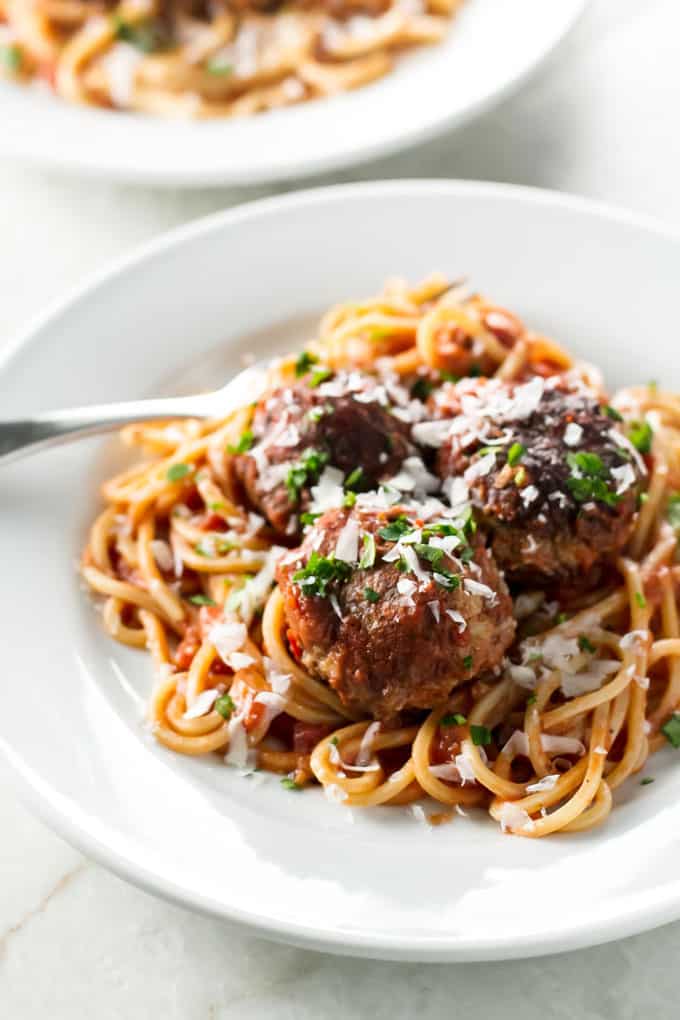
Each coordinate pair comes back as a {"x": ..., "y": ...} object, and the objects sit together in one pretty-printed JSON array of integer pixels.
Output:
[
  {"x": 379, "y": 608},
  {"x": 302, "y": 430},
  {"x": 550, "y": 471}
]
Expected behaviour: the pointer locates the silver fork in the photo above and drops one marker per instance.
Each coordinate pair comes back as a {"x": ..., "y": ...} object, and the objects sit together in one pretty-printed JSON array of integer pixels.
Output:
[{"x": 24, "y": 436}]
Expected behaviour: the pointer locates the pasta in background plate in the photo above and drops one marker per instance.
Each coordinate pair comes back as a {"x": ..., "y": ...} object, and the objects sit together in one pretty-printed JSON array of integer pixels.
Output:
[{"x": 210, "y": 58}]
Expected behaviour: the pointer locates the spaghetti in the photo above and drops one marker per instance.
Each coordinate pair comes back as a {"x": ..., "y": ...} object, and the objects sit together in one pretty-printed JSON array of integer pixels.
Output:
[
  {"x": 586, "y": 692},
  {"x": 210, "y": 58}
]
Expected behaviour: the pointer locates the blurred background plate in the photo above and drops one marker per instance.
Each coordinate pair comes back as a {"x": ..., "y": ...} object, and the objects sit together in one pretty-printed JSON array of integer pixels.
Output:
[{"x": 491, "y": 48}]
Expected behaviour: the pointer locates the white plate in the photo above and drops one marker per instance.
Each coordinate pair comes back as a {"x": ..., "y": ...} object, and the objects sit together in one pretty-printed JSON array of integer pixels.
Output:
[
  {"x": 492, "y": 47},
  {"x": 290, "y": 865}
]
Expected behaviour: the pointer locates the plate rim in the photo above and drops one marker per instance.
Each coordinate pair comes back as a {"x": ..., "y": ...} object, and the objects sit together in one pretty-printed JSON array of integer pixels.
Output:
[
  {"x": 44, "y": 801},
  {"x": 63, "y": 163}
]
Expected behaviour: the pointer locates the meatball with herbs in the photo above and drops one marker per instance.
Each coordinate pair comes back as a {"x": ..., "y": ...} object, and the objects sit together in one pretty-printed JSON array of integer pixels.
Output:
[
  {"x": 394, "y": 611},
  {"x": 551, "y": 472},
  {"x": 310, "y": 441}
]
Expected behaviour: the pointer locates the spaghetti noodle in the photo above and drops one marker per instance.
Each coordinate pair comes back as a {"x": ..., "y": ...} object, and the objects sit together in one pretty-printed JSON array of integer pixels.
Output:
[
  {"x": 210, "y": 58},
  {"x": 587, "y": 690}
]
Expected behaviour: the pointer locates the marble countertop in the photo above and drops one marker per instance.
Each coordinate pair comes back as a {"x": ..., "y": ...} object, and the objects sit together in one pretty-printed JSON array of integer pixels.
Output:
[{"x": 75, "y": 941}]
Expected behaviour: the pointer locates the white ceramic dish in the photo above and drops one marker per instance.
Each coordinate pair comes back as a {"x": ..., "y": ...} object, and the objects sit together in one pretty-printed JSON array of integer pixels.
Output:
[
  {"x": 492, "y": 47},
  {"x": 293, "y": 866}
]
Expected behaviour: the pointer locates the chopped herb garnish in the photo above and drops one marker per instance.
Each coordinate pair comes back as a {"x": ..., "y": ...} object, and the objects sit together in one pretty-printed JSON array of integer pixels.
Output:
[
  {"x": 612, "y": 413},
  {"x": 430, "y": 553},
  {"x": 520, "y": 476},
  {"x": 305, "y": 362},
  {"x": 145, "y": 36},
  {"x": 532, "y": 699},
  {"x": 319, "y": 376},
  {"x": 481, "y": 736},
  {"x": 225, "y": 706},
  {"x": 393, "y": 531},
  {"x": 309, "y": 518},
  {"x": 334, "y": 741},
  {"x": 305, "y": 471},
  {"x": 11, "y": 57},
  {"x": 641, "y": 600},
  {"x": 467, "y": 662},
  {"x": 349, "y": 499},
  {"x": 452, "y": 719},
  {"x": 671, "y": 730},
  {"x": 475, "y": 371},
  {"x": 642, "y": 498},
  {"x": 647, "y": 780},
  {"x": 215, "y": 507},
  {"x": 585, "y": 645},
  {"x": 422, "y": 388},
  {"x": 445, "y": 579},
  {"x": 244, "y": 444},
  {"x": 561, "y": 618},
  {"x": 176, "y": 472},
  {"x": 371, "y": 595},
  {"x": 202, "y": 600},
  {"x": 289, "y": 784},
  {"x": 467, "y": 554},
  {"x": 641, "y": 435},
  {"x": 320, "y": 572},
  {"x": 354, "y": 478},
  {"x": 368, "y": 552},
  {"x": 588, "y": 481},
  {"x": 316, "y": 414},
  {"x": 449, "y": 377},
  {"x": 515, "y": 453},
  {"x": 218, "y": 67},
  {"x": 653, "y": 385}
]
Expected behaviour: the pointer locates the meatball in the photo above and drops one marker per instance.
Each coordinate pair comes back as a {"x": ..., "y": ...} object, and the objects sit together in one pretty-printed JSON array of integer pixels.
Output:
[
  {"x": 394, "y": 612},
  {"x": 549, "y": 470},
  {"x": 300, "y": 431}
]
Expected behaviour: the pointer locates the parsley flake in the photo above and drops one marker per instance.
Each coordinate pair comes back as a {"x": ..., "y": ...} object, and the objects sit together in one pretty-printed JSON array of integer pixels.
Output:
[
  {"x": 393, "y": 531},
  {"x": 641, "y": 435},
  {"x": 585, "y": 645},
  {"x": 289, "y": 784},
  {"x": 515, "y": 453},
  {"x": 305, "y": 471},
  {"x": 640, "y": 600},
  {"x": 481, "y": 736},
  {"x": 467, "y": 662},
  {"x": 612, "y": 413},
  {"x": 225, "y": 706},
  {"x": 305, "y": 362},
  {"x": 176, "y": 472},
  {"x": 319, "y": 376},
  {"x": 371, "y": 595},
  {"x": 671, "y": 730},
  {"x": 244, "y": 444},
  {"x": 320, "y": 572},
  {"x": 368, "y": 553},
  {"x": 452, "y": 719},
  {"x": 11, "y": 58},
  {"x": 202, "y": 600}
]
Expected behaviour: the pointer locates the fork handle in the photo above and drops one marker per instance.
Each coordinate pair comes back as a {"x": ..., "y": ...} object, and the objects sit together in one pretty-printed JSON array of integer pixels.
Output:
[{"x": 22, "y": 437}]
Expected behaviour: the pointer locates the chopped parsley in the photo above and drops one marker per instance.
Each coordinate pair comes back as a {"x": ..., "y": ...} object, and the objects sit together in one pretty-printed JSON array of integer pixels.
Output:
[
  {"x": 244, "y": 444},
  {"x": 561, "y": 618},
  {"x": 308, "y": 518},
  {"x": 641, "y": 600},
  {"x": 452, "y": 719},
  {"x": 585, "y": 645},
  {"x": 641, "y": 435},
  {"x": 430, "y": 553},
  {"x": 305, "y": 471},
  {"x": 422, "y": 388},
  {"x": 481, "y": 736},
  {"x": 520, "y": 476},
  {"x": 319, "y": 376},
  {"x": 445, "y": 579},
  {"x": 673, "y": 511},
  {"x": 467, "y": 662},
  {"x": 475, "y": 371},
  {"x": 320, "y": 572},
  {"x": 393, "y": 531},
  {"x": 11, "y": 57},
  {"x": 368, "y": 552},
  {"x": 202, "y": 600},
  {"x": 589, "y": 479},
  {"x": 218, "y": 67},
  {"x": 176, "y": 472},
  {"x": 612, "y": 413},
  {"x": 349, "y": 499},
  {"x": 532, "y": 699},
  {"x": 304, "y": 363},
  {"x": 225, "y": 706},
  {"x": 145, "y": 36},
  {"x": 671, "y": 730},
  {"x": 647, "y": 780},
  {"x": 316, "y": 414},
  {"x": 354, "y": 479},
  {"x": 215, "y": 507},
  {"x": 515, "y": 453},
  {"x": 289, "y": 784},
  {"x": 371, "y": 595}
]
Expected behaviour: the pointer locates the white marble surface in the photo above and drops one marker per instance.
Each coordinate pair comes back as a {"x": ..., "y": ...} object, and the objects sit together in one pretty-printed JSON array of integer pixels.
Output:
[{"x": 77, "y": 942}]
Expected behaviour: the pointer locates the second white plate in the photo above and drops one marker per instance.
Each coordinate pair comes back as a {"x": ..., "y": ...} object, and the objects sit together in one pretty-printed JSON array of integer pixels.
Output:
[{"x": 492, "y": 46}]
